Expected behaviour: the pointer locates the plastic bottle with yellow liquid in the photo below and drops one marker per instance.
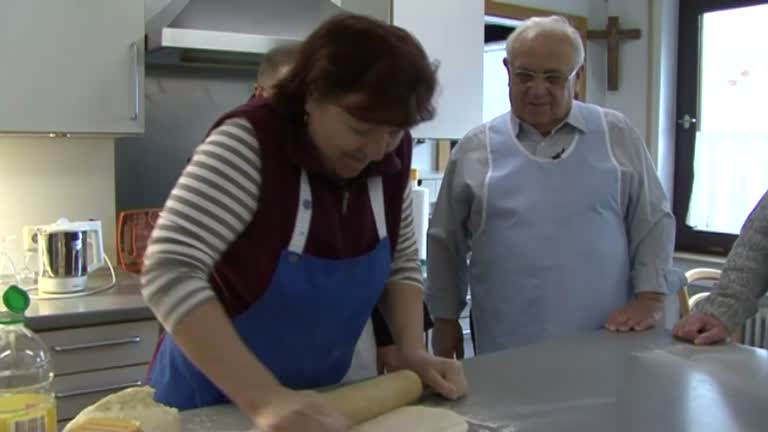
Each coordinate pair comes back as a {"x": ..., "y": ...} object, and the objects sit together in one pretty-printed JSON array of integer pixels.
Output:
[{"x": 27, "y": 403}]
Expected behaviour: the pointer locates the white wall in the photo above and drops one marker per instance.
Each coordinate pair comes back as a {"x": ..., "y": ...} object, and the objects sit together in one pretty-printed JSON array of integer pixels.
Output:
[
  {"x": 43, "y": 179},
  {"x": 632, "y": 98},
  {"x": 647, "y": 73}
]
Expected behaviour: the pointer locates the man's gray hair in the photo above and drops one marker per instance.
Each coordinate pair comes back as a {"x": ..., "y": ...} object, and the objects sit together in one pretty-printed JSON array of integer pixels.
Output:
[{"x": 552, "y": 24}]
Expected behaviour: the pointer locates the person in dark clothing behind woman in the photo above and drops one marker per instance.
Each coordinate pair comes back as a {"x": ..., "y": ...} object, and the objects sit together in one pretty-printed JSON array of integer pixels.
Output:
[
  {"x": 291, "y": 222},
  {"x": 274, "y": 66}
]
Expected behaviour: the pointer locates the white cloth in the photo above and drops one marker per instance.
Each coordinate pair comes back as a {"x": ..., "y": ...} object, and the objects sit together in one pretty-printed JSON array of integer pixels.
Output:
[{"x": 364, "y": 364}]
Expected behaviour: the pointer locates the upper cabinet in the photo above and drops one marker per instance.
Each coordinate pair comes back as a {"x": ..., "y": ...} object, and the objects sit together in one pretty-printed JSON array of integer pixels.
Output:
[
  {"x": 379, "y": 9},
  {"x": 452, "y": 34},
  {"x": 451, "y": 31},
  {"x": 72, "y": 66}
]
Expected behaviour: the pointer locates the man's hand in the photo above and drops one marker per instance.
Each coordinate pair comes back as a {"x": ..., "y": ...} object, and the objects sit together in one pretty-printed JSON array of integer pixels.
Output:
[
  {"x": 448, "y": 339},
  {"x": 639, "y": 314},
  {"x": 701, "y": 329}
]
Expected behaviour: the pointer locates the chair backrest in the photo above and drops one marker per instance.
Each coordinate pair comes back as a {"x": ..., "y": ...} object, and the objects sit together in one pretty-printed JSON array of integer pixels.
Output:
[{"x": 693, "y": 275}]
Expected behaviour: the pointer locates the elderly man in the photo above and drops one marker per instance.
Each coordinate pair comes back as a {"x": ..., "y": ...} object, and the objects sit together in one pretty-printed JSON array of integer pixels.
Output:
[
  {"x": 552, "y": 214},
  {"x": 743, "y": 282}
]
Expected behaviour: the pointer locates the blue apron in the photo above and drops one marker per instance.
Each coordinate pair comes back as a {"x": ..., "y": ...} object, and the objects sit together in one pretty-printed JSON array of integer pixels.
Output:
[
  {"x": 552, "y": 257},
  {"x": 305, "y": 327}
]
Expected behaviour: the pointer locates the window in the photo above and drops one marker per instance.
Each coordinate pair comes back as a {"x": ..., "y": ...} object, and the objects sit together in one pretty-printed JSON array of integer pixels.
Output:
[{"x": 721, "y": 157}]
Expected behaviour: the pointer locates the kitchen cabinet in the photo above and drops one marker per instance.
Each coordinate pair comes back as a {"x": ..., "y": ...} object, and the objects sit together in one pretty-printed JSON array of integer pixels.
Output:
[
  {"x": 93, "y": 362},
  {"x": 379, "y": 9},
  {"x": 72, "y": 66},
  {"x": 452, "y": 33}
]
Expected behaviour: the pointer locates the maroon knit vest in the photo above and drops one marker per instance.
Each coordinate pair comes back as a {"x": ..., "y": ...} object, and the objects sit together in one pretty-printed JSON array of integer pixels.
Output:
[{"x": 244, "y": 272}]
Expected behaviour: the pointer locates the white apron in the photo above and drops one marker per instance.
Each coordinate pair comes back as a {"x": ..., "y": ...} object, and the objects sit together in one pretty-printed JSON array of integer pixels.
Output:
[{"x": 552, "y": 258}]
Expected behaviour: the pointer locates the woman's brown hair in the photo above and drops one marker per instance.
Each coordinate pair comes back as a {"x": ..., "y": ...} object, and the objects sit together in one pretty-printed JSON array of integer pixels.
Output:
[{"x": 353, "y": 55}]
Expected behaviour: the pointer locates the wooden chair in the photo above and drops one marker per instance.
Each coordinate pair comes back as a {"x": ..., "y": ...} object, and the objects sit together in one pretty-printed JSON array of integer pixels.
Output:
[{"x": 694, "y": 275}]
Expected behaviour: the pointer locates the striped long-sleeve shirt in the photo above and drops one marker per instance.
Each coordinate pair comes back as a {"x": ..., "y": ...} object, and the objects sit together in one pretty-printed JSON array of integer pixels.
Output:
[{"x": 213, "y": 202}]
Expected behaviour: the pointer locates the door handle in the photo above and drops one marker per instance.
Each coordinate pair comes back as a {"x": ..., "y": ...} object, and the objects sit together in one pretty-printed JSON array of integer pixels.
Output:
[
  {"x": 136, "y": 81},
  {"x": 686, "y": 121},
  {"x": 100, "y": 344}
]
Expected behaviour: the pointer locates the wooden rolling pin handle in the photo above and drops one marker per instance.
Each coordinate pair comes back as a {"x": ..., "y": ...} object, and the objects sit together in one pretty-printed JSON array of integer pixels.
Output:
[{"x": 365, "y": 400}]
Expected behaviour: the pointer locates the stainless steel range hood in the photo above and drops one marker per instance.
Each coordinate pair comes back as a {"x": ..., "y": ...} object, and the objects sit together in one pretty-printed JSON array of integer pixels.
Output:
[{"x": 229, "y": 32}]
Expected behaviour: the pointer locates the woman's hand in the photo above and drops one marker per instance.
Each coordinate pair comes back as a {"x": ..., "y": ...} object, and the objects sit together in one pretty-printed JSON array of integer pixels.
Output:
[
  {"x": 441, "y": 375},
  {"x": 292, "y": 411}
]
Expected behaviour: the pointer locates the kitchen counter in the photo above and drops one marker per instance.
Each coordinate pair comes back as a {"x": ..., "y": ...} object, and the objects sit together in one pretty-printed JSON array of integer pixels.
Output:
[
  {"x": 597, "y": 382},
  {"x": 122, "y": 303}
]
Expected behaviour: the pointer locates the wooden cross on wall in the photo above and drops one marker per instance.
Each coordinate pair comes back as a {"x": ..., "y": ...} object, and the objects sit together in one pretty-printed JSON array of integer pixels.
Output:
[{"x": 613, "y": 34}]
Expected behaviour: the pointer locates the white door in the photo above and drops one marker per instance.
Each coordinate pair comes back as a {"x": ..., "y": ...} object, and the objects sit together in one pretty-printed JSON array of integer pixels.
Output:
[{"x": 74, "y": 66}]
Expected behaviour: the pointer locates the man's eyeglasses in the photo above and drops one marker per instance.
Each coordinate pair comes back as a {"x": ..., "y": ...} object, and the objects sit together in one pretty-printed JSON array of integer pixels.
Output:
[{"x": 551, "y": 79}]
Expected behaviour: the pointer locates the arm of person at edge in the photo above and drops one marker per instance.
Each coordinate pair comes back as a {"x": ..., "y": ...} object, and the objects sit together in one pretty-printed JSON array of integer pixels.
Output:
[
  {"x": 447, "y": 250},
  {"x": 743, "y": 282},
  {"x": 650, "y": 233},
  {"x": 402, "y": 305}
]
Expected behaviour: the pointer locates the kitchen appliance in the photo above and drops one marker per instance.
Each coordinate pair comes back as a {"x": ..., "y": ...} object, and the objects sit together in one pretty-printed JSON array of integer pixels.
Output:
[
  {"x": 67, "y": 252},
  {"x": 133, "y": 230}
]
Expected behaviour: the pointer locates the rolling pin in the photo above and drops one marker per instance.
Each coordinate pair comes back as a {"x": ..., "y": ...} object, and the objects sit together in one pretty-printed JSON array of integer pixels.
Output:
[{"x": 366, "y": 400}]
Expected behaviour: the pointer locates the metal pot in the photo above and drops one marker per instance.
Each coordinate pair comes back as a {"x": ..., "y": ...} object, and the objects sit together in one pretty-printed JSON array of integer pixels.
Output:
[{"x": 67, "y": 251}]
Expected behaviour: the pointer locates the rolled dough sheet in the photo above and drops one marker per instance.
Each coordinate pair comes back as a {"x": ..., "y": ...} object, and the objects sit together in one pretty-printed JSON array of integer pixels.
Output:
[{"x": 415, "y": 419}]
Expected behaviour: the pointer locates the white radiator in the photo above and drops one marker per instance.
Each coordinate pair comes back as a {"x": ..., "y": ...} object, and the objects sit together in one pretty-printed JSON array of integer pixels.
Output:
[{"x": 756, "y": 327}]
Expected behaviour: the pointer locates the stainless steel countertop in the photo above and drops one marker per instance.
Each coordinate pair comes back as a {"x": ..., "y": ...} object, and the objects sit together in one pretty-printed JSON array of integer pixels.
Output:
[
  {"x": 122, "y": 303},
  {"x": 597, "y": 382}
]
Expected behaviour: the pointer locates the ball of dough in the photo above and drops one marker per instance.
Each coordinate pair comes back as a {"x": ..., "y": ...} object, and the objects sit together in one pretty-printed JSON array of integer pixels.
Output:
[{"x": 133, "y": 404}]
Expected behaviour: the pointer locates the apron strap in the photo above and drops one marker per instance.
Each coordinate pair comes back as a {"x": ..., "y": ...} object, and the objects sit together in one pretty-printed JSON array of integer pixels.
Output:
[
  {"x": 376, "y": 195},
  {"x": 304, "y": 212},
  {"x": 303, "y": 216}
]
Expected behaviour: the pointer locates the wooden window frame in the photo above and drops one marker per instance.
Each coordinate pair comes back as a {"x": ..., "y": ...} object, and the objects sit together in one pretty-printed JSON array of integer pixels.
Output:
[{"x": 689, "y": 51}]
